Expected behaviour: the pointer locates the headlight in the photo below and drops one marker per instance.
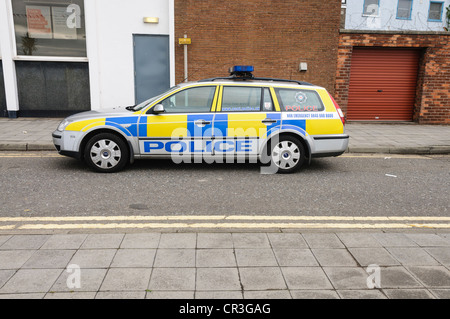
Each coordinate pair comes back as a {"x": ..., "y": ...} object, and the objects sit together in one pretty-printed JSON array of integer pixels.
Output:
[{"x": 63, "y": 125}]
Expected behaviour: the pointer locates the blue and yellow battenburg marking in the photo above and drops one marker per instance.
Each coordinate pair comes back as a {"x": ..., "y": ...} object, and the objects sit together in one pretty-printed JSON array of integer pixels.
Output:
[{"x": 217, "y": 131}]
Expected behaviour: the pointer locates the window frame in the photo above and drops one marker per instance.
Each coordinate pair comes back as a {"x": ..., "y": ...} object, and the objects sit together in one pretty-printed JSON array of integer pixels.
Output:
[
  {"x": 283, "y": 107},
  {"x": 410, "y": 11},
  {"x": 17, "y": 56},
  {"x": 442, "y": 11},
  {"x": 365, "y": 14},
  {"x": 154, "y": 103},
  {"x": 261, "y": 106}
]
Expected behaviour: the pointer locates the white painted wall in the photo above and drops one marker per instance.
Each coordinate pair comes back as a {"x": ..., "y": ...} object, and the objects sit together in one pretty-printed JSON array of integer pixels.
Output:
[
  {"x": 110, "y": 25},
  {"x": 7, "y": 54},
  {"x": 387, "y": 18}
]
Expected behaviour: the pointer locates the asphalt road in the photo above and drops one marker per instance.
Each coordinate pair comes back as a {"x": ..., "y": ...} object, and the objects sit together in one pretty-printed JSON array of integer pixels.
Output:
[{"x": 45, "y": 184}]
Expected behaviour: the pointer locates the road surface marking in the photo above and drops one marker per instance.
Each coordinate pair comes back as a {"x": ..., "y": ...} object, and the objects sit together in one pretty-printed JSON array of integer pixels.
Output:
[
  {"x": 222, "y": 221},
  {"x": 222, "y": 217},
  {"x": 229, "y": 225}
]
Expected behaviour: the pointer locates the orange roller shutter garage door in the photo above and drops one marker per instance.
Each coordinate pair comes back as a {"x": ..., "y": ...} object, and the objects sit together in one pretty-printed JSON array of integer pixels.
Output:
[{"x": 383, "y": 84}]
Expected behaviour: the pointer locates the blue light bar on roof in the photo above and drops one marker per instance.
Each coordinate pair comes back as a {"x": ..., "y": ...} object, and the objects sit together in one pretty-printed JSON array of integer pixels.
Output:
[{"x": 242, "y": 68}]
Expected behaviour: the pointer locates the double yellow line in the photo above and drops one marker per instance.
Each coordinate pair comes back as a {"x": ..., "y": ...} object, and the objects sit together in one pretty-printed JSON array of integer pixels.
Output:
[{"x": 222, "y": 222}]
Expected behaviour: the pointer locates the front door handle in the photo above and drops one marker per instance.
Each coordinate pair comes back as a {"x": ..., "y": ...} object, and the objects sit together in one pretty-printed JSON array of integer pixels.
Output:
[{"x": 201, "y": 123}]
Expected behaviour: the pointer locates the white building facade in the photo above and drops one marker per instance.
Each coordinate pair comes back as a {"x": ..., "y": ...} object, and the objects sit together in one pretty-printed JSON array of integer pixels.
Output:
[
  {"x": 64, "y": 56},
  {"x": 396, "y": 15}
]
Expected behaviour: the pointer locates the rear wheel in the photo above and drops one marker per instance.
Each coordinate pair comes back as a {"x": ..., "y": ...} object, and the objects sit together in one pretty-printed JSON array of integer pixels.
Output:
[
  {"x": 106, "y": 153},
  {"x": 287, "y": 155}
]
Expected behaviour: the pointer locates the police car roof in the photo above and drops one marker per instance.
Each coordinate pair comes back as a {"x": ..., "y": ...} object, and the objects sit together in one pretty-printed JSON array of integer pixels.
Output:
[{"x": 256, "y": 80}]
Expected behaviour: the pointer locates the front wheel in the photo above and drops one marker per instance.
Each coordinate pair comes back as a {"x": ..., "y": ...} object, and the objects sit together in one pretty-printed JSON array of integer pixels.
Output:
[
  {"x": 287, "y": 155},
  {"x": 106, "y": 153}
]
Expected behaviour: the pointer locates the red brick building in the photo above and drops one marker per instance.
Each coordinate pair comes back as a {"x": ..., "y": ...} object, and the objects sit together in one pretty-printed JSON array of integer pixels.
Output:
[
  {"x": 273, "y": 36},
  {"x": 431, "y": 86}
]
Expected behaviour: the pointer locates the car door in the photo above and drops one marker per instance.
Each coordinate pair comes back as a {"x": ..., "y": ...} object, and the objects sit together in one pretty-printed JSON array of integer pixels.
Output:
[
  {"x": 185, "y": 126},
  {"x": 245, "y": 117}
]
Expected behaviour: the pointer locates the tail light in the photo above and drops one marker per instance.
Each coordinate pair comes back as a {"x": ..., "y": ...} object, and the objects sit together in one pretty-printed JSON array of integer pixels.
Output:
[{"x": 338, "y": 109}]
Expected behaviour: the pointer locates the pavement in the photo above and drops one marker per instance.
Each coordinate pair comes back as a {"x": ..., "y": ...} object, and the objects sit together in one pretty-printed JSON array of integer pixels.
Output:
[{"x": 231, "y": 264}]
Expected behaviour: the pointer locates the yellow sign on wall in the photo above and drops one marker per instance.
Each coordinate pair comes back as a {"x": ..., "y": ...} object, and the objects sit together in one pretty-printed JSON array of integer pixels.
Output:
[{"x": 184, "y": 41}]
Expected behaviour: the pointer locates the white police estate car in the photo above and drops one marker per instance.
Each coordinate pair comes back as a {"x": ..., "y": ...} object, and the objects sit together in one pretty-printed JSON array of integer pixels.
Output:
[{"x": 281, "y": 122}]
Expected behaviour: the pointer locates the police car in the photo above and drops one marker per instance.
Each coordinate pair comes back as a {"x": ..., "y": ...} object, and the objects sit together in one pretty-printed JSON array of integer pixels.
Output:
[{"x": 281, "y": 123}]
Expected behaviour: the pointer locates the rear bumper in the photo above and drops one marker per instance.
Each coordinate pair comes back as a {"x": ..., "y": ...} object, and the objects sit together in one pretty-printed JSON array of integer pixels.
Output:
[{"x": 329, "y": 145}]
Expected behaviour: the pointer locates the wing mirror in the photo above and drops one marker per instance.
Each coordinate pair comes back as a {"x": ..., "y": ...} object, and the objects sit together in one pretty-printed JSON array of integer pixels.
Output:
[{"x": 159, "y": 108}]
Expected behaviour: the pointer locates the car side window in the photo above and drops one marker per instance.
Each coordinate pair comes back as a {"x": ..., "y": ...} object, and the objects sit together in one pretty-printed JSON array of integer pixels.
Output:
[
  {"x": 241, "y": 99},
  {"x": 193, "y": 100},
  {"x": 294, "y": 100}
]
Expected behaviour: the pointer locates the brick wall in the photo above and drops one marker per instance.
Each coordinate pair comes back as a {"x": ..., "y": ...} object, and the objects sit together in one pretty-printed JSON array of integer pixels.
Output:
[
  {"x": 272, "y": 35},
  {"x": 432, "y": 104}
]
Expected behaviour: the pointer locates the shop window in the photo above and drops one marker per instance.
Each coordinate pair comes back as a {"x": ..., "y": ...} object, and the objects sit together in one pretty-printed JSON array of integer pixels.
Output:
[{"x": 50, "y": 28}]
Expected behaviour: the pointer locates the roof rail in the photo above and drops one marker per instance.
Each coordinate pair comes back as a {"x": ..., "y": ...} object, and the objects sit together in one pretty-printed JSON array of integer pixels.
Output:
[{"x": 240, "y": 78}]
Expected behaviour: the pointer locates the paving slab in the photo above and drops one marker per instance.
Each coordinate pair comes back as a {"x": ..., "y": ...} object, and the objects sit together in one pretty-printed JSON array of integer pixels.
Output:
[
  {"x": 412, "y": 256},
  {"x": 134, "y": 258},
  {"x": 178, "y": 240},
  {"x": 314, "y": 294},
  {"x": 287, "y": 240},
  {"x": 214, "y": 240},
  {"x": 56, "y": 258},
  {"x": 255, "y": 257},
  {"x": 175, "y": 258},
  {"x": 150, "y": 240},
  {"x": 94, "y": 258},
  {"x": 215, "y": 258},
  {"x": 217, "y": 279},
  {"x": 432, "y": 276},
  {"x": 65, "y": 241},
  {"x": 334, "y": 257},
  {"x": 126, "y": 279},
  {"x": 89, "y": 280},
  {"x": 24, "y": 242},
  {"x": 14, "y": 259},
  {"x": 262, "y": 278},
  {"x": 173, "y": 279},
  {"x": 441, "y": 254},
  {"x": 373, "y": 256},
  {"x": 347, "y": 277},
  {"x": 31, "y": 281},
  {"x": 306, "y": 278},
  {"x": 323, "y": 240},
  {"x": 102, "y": 241},
  {"x": 295, "y": 257},
  {"x": 250, "y": 240},
  {"x": 408, "y": 294},
  {"x": 361, "y": 294}
]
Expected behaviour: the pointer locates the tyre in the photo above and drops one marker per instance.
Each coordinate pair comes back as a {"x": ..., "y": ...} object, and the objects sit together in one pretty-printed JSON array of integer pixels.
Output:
[
  {"x": 287, "y": 155},
  {"x": 106, "y": 153}
]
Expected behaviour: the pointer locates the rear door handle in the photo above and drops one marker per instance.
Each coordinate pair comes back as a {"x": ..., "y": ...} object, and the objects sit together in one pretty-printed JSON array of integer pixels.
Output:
[{"x": 269, "y": 121}]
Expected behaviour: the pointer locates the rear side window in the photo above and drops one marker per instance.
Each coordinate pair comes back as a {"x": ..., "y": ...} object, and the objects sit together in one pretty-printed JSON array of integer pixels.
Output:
[
  {"x": 294, "y": 100},
  {"x": 241, "y": 99}
]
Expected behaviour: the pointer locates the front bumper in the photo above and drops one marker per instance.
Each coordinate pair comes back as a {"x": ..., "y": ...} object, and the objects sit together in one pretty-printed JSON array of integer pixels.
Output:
[{"x": 63, "y": 146}]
